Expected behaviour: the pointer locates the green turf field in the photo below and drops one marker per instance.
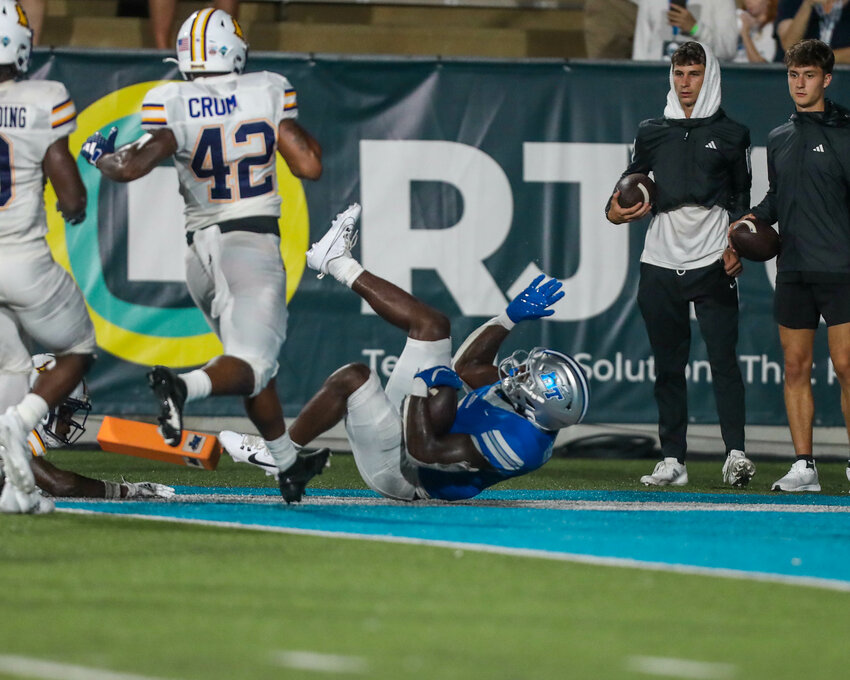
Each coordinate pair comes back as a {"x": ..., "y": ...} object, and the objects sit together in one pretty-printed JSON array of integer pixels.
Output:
[{"x": 160, "y": 600}]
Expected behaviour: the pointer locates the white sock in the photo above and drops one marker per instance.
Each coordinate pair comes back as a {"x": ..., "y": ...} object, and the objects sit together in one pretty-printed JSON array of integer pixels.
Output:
[
  {"x": 31, "y": 410},
  {"x": 198, "y": 384},
  {"x": 345, "y": 269},
  {"x": 283, "y": 451}
]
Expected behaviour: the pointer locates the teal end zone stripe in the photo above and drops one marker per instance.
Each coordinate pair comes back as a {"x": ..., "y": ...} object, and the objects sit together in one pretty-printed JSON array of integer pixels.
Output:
[{"x": 84, "y": 255}]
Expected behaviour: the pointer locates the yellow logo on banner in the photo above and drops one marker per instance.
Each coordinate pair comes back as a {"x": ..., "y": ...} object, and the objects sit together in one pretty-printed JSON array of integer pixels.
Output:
[{"x": 143, "y": 334}]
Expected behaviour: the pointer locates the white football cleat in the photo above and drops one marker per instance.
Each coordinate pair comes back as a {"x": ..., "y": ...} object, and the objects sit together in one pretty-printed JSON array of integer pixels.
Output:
[
  {"x": 738, "y": 470},
  {"x": 248, "y": 448},
  {"x": 337, "y": 242},
  {"x": 13, "y": 450},
  {"x": 800, "y": 477},
  {"x": 668, "y": 472},
  {"x": 13, "y": 501},
  {"x": 147, "y": 490}
]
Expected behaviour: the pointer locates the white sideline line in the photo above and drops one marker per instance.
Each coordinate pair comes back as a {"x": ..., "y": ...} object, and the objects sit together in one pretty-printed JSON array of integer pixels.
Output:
[
  {"x": 681, "y": 668},
  {"x": 51, "y": 670},
  {"x": 809, "y": 581},
  {"x": 322, "y": 663},
  {"x": 602, "y": 506}
]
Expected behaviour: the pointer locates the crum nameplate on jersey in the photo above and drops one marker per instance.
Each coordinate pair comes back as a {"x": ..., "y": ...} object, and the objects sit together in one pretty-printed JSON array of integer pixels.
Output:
[
  {"x": 202, "y": 107},
  {"x": 13, "y": 116}
]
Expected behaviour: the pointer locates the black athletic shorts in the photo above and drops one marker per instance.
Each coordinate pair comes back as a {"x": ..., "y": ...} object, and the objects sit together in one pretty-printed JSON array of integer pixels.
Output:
[{"x": 798, "y": 304}]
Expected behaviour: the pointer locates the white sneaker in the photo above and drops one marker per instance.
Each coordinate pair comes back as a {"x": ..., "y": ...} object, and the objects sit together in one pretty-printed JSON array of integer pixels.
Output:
[
  {"x": 668, "y": 471},
  {"x": 337, "y": 242},
  {"x": 800, "y": 477},
  {"x": 13, "y": 501},
  {"x": 248, "y": 448},
  {"x": 738, "y": 470},
  {"x": 13, "y": 449}
]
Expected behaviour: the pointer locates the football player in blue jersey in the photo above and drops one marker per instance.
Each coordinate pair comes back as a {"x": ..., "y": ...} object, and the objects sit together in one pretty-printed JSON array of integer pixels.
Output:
[{"x": 415, "y": 439}]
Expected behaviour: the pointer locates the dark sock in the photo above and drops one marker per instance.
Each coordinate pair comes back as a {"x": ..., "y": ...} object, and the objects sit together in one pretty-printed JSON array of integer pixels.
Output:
[{"x": 810, "y": 460}]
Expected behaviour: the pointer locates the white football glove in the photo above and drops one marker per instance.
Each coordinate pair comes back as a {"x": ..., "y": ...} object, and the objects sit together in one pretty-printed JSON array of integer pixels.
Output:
[{"x": 148, "y": 490}]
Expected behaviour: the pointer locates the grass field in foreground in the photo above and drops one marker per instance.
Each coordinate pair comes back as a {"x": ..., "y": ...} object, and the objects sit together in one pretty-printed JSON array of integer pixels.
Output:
[{"x": 178, "y": 601}]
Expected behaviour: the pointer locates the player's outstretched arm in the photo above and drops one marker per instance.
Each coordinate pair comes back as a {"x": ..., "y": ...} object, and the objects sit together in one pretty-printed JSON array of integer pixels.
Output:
[
  {"x": 299, "y": 149},
  {"x": 61, "y": 169},
  {"x": 474, "y": 360},
  {"x": 133, "y": 160}
]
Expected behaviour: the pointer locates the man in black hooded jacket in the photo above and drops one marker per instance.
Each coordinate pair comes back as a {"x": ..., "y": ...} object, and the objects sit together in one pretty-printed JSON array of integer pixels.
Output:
[
  {"x": 700, "y": 161},
  {"x": 808, "y": 164}
]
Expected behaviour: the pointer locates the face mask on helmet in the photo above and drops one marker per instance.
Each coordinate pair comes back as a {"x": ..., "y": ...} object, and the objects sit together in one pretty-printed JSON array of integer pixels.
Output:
[
  {"x": 15, "y": 36},
  {"x": 211, "y": 41},
  {"x": 66, "y": 423},
  {"x": 546, "y": 387}
]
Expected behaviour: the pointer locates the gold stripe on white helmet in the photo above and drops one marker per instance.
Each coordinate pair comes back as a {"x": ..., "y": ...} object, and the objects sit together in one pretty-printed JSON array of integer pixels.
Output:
[
  {"x": 15, "y": 36},
  {"x": 211, "y": 41}
]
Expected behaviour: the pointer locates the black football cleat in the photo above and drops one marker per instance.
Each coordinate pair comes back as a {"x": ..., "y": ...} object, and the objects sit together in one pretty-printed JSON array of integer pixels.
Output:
[
  {"x": 170, "y": 392},
  {"x": 294, "y": 479}
]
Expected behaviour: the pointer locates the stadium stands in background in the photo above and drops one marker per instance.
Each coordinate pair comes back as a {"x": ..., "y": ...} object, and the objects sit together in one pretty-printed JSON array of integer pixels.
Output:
[{"x": 477, "y": 28}]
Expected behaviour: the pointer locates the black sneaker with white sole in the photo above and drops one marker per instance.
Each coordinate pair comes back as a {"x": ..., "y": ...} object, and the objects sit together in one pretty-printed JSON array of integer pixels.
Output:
[
  {"x": 170, "y": 392},
  {"x": 295, "y": 478}
]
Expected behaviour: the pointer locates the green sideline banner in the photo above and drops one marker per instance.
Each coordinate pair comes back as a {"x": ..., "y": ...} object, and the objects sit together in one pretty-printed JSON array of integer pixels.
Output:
[{"x": 473, "y": 175}]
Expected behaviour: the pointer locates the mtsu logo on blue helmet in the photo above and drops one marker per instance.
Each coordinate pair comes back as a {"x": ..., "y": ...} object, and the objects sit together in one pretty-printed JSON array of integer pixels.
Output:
[{"x": 550, "y": 383}]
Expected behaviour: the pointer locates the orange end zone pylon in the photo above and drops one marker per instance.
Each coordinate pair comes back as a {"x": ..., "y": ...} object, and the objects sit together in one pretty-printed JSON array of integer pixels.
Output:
[{"x": 132, "y": 438}]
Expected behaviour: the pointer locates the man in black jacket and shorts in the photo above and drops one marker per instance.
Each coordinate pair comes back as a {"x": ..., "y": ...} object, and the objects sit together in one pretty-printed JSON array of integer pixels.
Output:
[
  {"x": 700, "y": 161},
  {"x": 808, "y": 165}
]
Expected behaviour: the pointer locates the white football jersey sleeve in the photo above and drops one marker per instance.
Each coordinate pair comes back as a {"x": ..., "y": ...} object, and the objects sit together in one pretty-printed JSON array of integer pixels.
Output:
[
  {"x": 33, "y": 115},
  {"x": 226, "y": 129}
]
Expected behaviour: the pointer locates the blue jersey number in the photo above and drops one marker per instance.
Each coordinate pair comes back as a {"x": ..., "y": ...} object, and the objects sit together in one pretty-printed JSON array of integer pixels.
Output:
[
  {"x": 209, "y": 163},
  {"x": 5, "y": 172}
]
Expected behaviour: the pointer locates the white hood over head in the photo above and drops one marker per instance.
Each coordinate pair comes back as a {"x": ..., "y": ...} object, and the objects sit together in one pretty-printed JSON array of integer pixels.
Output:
[{"x": 709, "y": 96}]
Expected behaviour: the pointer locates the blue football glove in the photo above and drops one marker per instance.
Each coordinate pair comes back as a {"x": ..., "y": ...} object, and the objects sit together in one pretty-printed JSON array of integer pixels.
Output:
[
  {"x": 440, "y": 375},
  {"x": 535, "y": 301},
  {"x": 97, "y": 145}
]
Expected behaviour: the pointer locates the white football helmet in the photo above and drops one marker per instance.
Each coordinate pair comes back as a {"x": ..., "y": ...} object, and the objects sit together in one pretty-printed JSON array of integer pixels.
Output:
[
  {"x": 65, "y": 424},
  {"x": 211, "y": 41},
  {"x": 15, "y": 36},
  {"x": 546, "y": 387}
]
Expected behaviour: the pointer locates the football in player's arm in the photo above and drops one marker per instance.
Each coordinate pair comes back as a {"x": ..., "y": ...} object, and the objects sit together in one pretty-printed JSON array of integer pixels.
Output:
[
  {"x": 224, "y": 130},
  {"x": 413, "y": 439}
]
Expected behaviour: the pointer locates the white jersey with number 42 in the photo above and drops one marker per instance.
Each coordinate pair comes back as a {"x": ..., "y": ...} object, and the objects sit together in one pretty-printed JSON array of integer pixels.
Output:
[
  {"x": 226, "y": 131},
  {"x": 33, "y": 115}
]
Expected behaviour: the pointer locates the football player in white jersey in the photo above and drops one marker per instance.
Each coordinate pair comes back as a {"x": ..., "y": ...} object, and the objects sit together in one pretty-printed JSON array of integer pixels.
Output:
[
  {"x": 37, "y": 296},
  {"x": 223, "y": 128},
  {"x": 414, "y": 439},
  {"x": 61, "y": 427}
]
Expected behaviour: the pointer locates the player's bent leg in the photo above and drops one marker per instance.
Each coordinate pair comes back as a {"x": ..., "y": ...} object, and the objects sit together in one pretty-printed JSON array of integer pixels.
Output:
[
  {"x": 401, "y": 309},
  {"x": 374, "y": 428},
  {"x": 328, "y": 406},
  {"x": 230, "y": 375}
]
